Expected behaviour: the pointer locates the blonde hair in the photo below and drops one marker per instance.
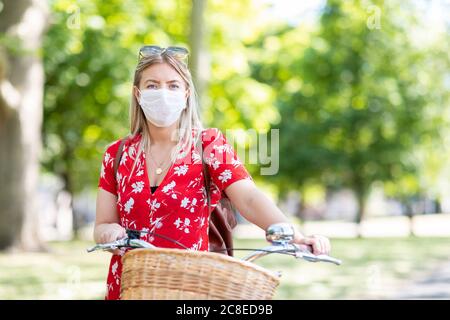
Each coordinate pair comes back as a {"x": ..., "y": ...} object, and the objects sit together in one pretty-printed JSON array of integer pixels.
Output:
[{"x": 189, "y": 118}]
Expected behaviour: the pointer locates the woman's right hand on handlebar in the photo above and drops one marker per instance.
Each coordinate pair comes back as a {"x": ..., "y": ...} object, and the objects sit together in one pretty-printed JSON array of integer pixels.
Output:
[{"x": 110, "y": 232}]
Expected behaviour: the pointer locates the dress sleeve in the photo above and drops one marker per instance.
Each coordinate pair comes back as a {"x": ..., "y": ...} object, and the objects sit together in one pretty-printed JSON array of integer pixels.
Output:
[
  {"x": 223, "y": 162},
  {"x": 107, "y": 180}
]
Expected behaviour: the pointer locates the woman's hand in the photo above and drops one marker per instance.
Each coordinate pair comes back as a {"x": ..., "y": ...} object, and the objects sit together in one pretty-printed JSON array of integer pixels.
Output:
[
  {"x": 107, "y": 221},
  {"x": 319, "y": 244},
  {"x": 109, "y": 232}
]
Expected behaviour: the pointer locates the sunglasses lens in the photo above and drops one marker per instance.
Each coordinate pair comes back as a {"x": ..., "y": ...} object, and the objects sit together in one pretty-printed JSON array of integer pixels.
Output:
[
  {"x": 148, "y": 50},
  {"x": 178, "y": 52}
]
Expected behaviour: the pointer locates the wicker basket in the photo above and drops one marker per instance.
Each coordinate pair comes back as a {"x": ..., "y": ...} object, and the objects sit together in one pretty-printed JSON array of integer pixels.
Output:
[{"x": 176, "y": 274}]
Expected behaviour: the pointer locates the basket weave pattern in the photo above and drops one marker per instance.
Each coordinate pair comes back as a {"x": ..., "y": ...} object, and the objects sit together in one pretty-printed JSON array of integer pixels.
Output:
[{"x": 176, "y": 274}]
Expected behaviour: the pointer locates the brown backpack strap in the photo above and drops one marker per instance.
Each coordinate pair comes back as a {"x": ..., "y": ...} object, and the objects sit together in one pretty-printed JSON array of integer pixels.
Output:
[
  {"x": 206, "y": 176},
  {"x": 221, "y": 218},
  {"x": 119, "y": 155}
]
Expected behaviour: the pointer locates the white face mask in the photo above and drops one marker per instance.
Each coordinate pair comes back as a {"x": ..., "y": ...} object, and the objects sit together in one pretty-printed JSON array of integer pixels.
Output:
[{"x": 162, "y": 107}]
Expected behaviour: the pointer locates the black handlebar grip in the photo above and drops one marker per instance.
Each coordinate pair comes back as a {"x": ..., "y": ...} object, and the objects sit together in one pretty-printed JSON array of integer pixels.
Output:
[{"x": 133, "y": 234}]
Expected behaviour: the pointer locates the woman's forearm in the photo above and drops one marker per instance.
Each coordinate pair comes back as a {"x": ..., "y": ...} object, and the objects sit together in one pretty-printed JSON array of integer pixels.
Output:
[{"x": 262, "y": 211}]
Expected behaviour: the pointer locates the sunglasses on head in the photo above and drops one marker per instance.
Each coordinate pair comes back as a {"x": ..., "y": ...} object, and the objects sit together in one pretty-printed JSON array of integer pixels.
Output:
[{"x": 177, "y": 52}]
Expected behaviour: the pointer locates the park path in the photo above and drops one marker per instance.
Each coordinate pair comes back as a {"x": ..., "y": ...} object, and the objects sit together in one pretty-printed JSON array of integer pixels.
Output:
[{"x": 432, "y": 285}]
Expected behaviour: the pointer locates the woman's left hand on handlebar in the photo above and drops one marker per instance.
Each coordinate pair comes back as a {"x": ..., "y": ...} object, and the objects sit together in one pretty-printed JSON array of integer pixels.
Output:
[{"x": 318, "y": 243}]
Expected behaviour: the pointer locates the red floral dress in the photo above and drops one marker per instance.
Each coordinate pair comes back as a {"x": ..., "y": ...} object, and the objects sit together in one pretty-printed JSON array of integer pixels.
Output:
[{"x": 178, "y": 208}]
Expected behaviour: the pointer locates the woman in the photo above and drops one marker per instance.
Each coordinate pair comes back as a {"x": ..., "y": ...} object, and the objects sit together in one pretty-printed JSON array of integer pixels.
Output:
[{"x": 159, "y": 182}]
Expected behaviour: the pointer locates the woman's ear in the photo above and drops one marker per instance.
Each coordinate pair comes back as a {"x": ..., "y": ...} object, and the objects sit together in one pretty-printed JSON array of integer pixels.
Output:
[{"x": 136, "y": 93}]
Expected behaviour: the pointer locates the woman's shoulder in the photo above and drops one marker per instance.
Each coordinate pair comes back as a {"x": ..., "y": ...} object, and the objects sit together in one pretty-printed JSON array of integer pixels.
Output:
[
  {"x": 211, "y": 133},
  {"x": 113, "y": 147},
  {"x": 206, "y": 134}
]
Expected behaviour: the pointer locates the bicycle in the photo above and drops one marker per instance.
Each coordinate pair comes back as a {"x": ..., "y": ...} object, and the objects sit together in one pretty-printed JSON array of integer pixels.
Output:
[{"x": 160, "y": 273}]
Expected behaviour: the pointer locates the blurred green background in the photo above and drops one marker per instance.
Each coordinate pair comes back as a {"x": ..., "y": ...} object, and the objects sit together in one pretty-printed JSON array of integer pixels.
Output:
[{"x": 359, "y": 91}]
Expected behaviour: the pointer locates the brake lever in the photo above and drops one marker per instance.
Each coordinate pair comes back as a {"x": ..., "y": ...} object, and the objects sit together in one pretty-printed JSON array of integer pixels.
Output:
[
  {"x": 308, "y": 256},
  {"x": 111, "y": 246}
]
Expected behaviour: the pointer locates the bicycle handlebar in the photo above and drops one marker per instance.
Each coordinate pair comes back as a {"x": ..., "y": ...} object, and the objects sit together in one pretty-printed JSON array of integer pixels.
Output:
[
  {"x": 122, "y": 243},
  {"x": 280, "y": 235},
  {"x": 289, "y": 249},
  {"x": 292, "y": 250}
]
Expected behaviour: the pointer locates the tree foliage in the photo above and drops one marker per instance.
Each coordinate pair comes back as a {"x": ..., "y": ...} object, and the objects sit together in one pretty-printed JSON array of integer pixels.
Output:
[{"x": 353, "y": 102}]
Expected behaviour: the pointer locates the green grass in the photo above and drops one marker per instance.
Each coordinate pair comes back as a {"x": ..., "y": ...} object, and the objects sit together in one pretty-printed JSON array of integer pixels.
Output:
[
  {"x": 372, "y": 268},
  {"x": 67, "y": 272}
]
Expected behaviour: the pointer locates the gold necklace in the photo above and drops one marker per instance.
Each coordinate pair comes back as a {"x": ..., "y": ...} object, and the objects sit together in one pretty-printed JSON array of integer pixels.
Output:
[{"x": 159, "y": 168}]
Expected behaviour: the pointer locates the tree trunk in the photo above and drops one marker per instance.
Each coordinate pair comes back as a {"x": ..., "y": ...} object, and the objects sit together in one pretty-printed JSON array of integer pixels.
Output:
[
  {"x": 68, "y": 187},
  {"x": 300, "y": 214},
  {"x": 199, "y": 59},
  {"x": 21, "y": 105},
  {"x": 410, "y": 215},
  {"x": 361, "y": 199},
  {"x": 13, "y": 206}
]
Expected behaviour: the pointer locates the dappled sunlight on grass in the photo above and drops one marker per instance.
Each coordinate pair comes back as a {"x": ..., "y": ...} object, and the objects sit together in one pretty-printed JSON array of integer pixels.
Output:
[
  {"x": 372, "y": 268},
  {"x": 67, "y": 272}
]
